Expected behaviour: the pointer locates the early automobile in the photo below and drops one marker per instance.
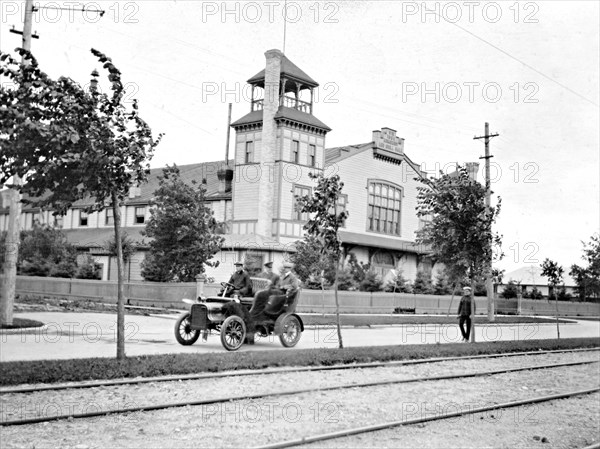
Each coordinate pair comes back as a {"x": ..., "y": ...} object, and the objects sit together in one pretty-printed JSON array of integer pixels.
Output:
[{"x": 230, "y": 318}]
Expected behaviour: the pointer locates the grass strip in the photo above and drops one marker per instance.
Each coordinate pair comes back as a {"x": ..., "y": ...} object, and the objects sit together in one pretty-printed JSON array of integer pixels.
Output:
[{"x": 53, "y": 371}]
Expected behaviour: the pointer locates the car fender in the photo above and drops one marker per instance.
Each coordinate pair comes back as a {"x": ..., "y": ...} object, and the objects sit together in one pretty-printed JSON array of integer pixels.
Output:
[{"x": 279, "y": 321}]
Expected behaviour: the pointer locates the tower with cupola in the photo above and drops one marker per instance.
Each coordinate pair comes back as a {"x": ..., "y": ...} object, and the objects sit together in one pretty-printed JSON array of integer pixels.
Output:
[{"x": 277, "y": 144}]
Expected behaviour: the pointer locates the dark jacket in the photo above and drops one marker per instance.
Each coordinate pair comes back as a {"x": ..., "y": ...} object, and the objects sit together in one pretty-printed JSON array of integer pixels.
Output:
[
  {"x": 464, "y": 308},
  {"x": 240, "y": 280}
]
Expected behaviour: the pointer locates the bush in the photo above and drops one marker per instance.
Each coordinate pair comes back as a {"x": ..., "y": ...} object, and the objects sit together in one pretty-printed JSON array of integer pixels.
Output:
[
  {"x": 399, "y": 284},
  {"x": 563, "y": 295},
  {"x": 371, "y": 283},
  {"x": 533, "y": 294},
  {"x": 345, "y": 280},
  {"x": 423, "y": 283},
  {"x": 511, "y": 290},
  {"x": 442, "y": 287},
  {"x": 89, "y": 269}
]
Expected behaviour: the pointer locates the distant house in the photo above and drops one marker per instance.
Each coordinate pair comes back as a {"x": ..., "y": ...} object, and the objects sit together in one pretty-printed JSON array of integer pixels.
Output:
[{"x": 531, "y": 276}]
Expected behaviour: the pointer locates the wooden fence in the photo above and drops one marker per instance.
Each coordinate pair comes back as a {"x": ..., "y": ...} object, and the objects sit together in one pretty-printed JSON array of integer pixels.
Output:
[{"x": 169, "y": 295}]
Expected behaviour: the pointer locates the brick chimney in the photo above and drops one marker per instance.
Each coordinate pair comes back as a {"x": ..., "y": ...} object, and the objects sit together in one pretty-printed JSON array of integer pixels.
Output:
[
  {"x": 225, "y": 176},
  {"x": 266, "y": 188}
]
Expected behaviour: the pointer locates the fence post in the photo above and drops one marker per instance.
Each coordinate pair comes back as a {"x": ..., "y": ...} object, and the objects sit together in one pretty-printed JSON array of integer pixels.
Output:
[{"x": 200, "y": 281}]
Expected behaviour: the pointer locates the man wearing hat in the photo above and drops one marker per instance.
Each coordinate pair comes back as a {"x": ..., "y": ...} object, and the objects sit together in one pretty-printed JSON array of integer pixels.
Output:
[
  {"x": 289, "y": 284},
  {"x": 240, "y": 281},
  {"x": 464, "y": 313},
  {"x": 262, "y": 297},
  {"x": 268, "y": 274}
]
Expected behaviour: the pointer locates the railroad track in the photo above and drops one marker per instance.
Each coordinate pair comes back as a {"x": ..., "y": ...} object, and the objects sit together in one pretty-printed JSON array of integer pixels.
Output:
[
  {"x": 258, "y": 372},
  {"x": 273, "y": 394},
  {"x": 391, "y": 424}
]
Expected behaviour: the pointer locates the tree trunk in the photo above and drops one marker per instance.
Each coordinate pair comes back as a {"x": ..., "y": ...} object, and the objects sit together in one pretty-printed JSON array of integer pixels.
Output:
[
  {"x": 120, "y": 278},
  {"x": 11, "y": 256},
  {"x": 337, "y": 304},
  {"x": 451, "y": 299},
  {"x": 472, "y": 334},
  {"x": 556, "y": 302}
]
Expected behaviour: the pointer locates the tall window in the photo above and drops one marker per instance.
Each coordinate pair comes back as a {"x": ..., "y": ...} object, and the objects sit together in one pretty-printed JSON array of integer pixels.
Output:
[
  {"x": 110, "y": 219},
  {"x": 296, "y": 214},
  {"x": 295, "y": 151},
  {"x": 312, "y": 155},
  {"x": 384, "y": 208},
  {"x": 249, "y": 152},
  {"x": 140, "y": 215},
  {"x": 83, "y": 218}
]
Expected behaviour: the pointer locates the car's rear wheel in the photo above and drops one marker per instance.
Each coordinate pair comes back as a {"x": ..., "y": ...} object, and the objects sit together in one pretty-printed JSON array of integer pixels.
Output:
[
  {"x": 184, "y": 334},
  {"x": 233, "y": 333},
  {"x": 291, "y": 331}
]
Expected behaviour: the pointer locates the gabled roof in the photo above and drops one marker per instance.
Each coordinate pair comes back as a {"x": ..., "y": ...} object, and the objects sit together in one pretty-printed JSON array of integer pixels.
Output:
[
  {"x": 197, "y": 172},
  {"x": 282, "y": 114},
  {"x": 532, "y": 275},
  {"x": 288, "y": 70},
  {"x": 337, "y": 154}
]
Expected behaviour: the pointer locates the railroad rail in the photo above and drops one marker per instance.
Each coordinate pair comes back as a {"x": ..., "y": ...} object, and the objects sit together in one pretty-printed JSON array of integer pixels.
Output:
[
  {"x": 391, "y": 424},
  {"x": 108, "y": 383},
  {"x": 227, "y": 399}
]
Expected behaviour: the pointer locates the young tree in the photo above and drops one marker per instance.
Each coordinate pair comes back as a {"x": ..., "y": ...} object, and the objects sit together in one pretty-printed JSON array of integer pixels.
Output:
[
  {"x": 310, "y": 262},
  {"x": 554, "y": 273},
  {"x": 588, "y": 279},
  {"x": 460, "y": 231},
  {"x": 324, "y": 224},
  {"x": 73, "y": 144},
  {"x": 183, "y": 230}
]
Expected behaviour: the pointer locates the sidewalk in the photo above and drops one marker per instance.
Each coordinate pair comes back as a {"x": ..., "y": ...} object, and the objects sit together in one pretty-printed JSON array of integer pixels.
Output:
[{"x": 82, "y": 335}]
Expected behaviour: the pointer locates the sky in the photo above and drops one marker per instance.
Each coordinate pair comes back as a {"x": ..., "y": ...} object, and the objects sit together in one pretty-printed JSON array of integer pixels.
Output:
[{"x": 433, "y": 71}]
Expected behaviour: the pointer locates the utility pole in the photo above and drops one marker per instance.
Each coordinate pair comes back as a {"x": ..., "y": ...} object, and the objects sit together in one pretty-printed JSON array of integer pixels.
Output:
[
  {"x": 14, "y": 214},
  {"x": 488, "y": 193}
]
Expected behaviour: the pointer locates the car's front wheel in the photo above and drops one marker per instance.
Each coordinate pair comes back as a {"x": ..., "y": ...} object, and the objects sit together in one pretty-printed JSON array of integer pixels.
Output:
[
  {"x": 184, "y": 334},
  {"x": 233, "y": 333}
]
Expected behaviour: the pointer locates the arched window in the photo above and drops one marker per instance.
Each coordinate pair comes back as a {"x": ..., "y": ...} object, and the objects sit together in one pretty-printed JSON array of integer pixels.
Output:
[{"x": 385, "y": 201}]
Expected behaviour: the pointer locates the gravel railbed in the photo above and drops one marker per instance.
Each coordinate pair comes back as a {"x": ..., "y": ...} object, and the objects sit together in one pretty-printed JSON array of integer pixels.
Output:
[{"x": 255, "y": 422}]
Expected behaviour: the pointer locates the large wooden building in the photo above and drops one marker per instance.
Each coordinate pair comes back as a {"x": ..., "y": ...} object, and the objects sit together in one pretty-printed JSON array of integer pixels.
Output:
[{"x": 277, "y": 144}]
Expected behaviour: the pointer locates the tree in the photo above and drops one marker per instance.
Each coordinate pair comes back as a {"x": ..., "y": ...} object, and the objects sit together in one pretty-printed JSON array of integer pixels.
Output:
[
  {"x": 324, "y": 224},
  {"x": 73, "y": 144},
  {"x": 310, "y": 262},
  {"x": 588, "y": 278},
  {"x": 45, "y": 251},
  {"x": 554, "y": 273},
  {"x": 460, "y": 231},
  {"x": 183, "y": 230},
  {"x": 423, "y": 284}
]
